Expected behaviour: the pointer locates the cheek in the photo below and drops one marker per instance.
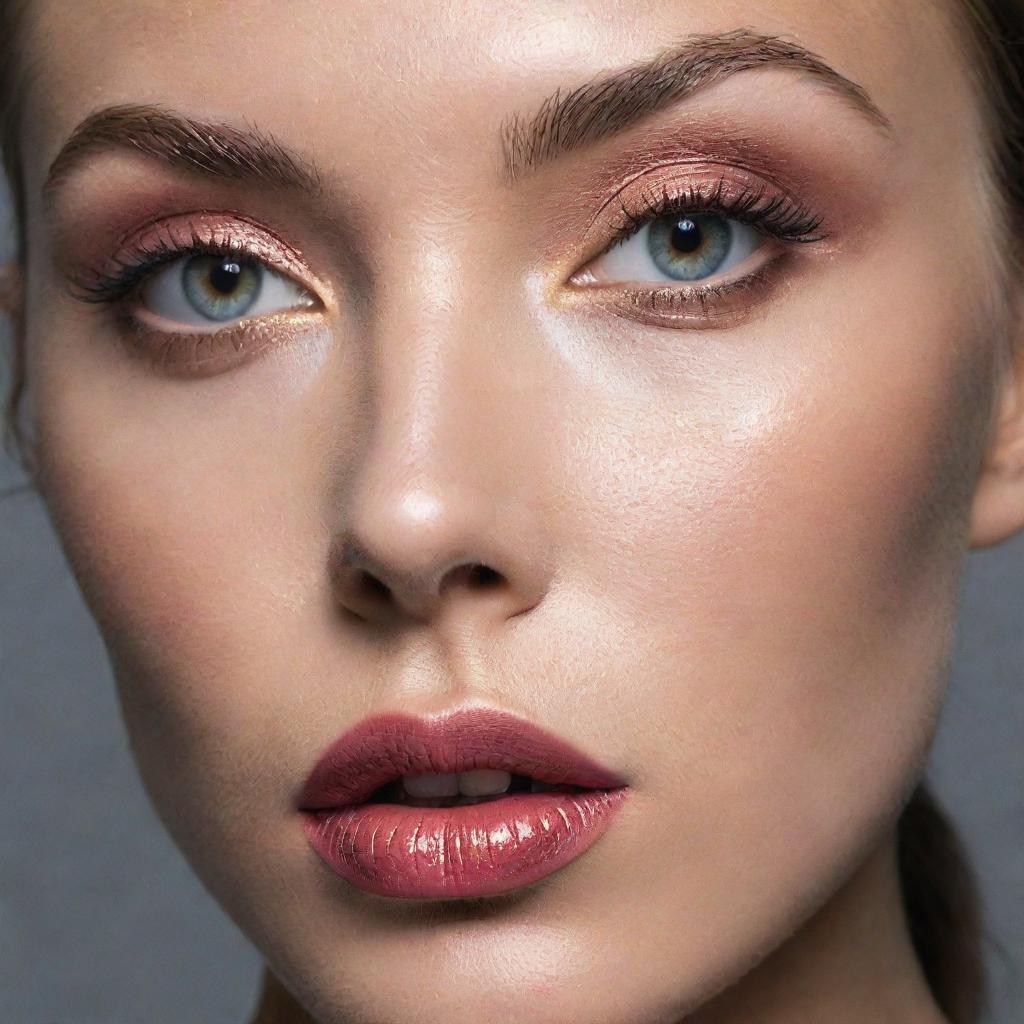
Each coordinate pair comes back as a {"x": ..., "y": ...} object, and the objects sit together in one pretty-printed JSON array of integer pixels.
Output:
[
  {"x": 192, "y": 516},
  {"x": 782, "y": 534},
  {"x": 799, "y": 489}
]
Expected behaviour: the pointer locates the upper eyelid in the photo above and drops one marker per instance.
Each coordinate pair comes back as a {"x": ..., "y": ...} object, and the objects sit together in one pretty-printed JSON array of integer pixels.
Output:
[
  {"x": 696, "y": 165},
  {"x": 161, "y": 240},
  {"x": 743, "y": 208},
  {"x": 232, "y": 223},
  {"x": 630, "y": 223},
  {"x": 283, "y": 257},
  {"x": 606, "y": 228},
  {"x": 139, "y": 268}
]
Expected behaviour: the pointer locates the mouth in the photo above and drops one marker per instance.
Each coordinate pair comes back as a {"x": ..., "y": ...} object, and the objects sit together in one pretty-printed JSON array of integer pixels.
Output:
[
  {"x": 473, "y": 803},
  {"x": 478, "y": 786}
]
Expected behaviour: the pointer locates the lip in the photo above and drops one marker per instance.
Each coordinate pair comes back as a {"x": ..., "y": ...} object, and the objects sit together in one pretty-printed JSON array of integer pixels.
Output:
[{"x": 482, "y": 849}]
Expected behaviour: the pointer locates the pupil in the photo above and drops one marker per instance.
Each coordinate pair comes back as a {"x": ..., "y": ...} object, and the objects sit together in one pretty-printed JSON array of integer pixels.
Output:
[
  {"x": 225, "y": 276},
  {"x": 687, "y": 236}
]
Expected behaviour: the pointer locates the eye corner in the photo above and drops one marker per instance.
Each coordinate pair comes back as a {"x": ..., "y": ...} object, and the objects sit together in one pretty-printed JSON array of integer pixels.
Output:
[{"x": 584, "y": 277}]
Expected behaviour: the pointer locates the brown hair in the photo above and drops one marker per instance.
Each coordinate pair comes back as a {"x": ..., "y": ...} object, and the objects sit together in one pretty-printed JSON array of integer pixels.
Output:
[{"x": 940, "y": 898}]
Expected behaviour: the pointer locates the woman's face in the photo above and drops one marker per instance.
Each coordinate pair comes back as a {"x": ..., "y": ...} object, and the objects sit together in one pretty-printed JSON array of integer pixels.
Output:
[{"x": 721, "y": 471}]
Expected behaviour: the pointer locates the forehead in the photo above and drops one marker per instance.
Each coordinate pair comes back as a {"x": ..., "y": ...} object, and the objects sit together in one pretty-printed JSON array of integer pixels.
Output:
[{"x": 371, "y": 78}]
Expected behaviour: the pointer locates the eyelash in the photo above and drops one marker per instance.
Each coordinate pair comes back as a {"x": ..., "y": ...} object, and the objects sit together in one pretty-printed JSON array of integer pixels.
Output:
[
  {"x": 775, "y": 214},
  {"x": 111, "y": 287},
  {"x": 114, "y": 283}
]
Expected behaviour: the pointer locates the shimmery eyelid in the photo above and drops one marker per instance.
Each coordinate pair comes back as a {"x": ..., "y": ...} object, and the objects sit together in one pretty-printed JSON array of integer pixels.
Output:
[
  {"x": 145, "y": 248},
  {"x": 697, "y": 187},
  {"x": 772, "y": 213},
  {"x": 702, "y": 186}
]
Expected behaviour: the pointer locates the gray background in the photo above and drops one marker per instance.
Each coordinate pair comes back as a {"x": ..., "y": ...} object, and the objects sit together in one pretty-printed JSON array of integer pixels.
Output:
[{"x": 101, "y": 921}]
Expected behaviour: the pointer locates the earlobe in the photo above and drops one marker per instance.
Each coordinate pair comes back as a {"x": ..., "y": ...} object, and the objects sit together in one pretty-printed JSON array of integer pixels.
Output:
[{"x": 997, "y": 511}]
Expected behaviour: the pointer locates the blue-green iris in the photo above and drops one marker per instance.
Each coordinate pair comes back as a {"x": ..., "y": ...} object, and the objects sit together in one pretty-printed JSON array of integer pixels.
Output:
[
  {"x": 221, "y": 287},
  {"x": 690, "y": 246}
]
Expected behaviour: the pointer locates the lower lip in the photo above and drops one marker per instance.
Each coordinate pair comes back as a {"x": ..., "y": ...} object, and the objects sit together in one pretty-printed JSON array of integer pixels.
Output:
[{"x": 480, "y": 849}]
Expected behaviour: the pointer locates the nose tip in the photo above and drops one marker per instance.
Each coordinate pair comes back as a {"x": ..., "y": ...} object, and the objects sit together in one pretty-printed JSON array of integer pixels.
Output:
[{"x": 424, "y": 557}]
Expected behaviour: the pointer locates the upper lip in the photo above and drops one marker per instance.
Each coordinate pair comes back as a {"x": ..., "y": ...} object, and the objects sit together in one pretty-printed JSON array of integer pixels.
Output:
[{"x": 384, "y": 747}]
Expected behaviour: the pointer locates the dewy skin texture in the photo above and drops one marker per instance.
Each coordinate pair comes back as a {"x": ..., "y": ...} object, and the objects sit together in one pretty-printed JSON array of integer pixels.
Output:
[{"x": 373, "y": 384}]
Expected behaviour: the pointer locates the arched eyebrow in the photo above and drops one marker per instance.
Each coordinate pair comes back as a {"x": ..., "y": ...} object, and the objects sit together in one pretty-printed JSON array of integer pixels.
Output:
[
  {"x": 216, "y": 150},
  {"x": 616, "y": 100},
  {"x": 565, "y": 121}
]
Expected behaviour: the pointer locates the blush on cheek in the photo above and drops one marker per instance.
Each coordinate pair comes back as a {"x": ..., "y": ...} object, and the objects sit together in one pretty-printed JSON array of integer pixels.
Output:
[
  {"x": 194, "y": 575},
  {"x": 805, "y": 646}
]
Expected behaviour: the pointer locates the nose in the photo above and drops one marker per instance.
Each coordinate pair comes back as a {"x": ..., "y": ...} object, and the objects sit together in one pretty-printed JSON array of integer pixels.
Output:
[
  {"x": 436, "y": 550},
  {"x": 443, "y": 503}
]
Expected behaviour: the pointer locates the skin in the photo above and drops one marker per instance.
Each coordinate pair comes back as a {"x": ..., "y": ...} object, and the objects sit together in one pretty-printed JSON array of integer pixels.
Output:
[{"x": 729, "y": 554}]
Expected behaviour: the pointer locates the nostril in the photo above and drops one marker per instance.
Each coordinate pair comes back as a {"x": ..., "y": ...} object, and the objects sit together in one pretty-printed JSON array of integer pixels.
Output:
[
  {"x": 373, "y": 587},
  {"x": 484, "y": 575}
]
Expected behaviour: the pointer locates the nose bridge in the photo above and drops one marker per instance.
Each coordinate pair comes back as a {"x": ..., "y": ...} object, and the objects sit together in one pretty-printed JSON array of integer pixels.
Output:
[{"x": 443, "y": 500}]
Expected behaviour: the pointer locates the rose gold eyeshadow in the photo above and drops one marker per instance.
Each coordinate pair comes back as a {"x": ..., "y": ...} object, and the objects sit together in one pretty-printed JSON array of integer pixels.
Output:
[{"x": 232, "y": 232}]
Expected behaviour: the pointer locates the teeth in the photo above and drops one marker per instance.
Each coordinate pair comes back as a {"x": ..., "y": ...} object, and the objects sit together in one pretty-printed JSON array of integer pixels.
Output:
[
  {"x": 479, "y": 782},
  {"x": 431, "y": 785},
  {"x": 484, "y": 782}
]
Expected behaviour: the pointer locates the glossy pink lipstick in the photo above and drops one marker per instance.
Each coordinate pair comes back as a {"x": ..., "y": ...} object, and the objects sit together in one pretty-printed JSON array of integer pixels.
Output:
[{"x": 367, "y": 829}]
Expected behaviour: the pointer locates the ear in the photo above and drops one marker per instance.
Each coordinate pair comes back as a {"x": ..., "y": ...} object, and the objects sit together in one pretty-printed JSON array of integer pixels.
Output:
[{"x": 997, "y": 511}]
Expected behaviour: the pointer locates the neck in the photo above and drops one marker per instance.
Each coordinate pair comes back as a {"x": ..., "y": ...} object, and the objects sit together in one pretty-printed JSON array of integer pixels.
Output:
[{"x": 852, "y": 963}]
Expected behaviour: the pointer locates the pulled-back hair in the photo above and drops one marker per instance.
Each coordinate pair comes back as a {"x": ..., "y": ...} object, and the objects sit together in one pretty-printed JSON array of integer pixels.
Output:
[{"x": 939, "y": 893}]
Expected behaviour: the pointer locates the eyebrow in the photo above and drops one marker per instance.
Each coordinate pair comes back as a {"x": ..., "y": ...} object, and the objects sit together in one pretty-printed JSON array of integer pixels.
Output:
[
  {"x": 215, "y": 150},
  {"x": 614, "y": 101},
  {"x": 564, "y": 122}
]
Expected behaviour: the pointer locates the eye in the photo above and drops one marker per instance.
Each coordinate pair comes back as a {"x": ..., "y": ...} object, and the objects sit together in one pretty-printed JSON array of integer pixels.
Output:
[
  {"x": 208, "y": 291},
  {"x": 678, "y": 247}
]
